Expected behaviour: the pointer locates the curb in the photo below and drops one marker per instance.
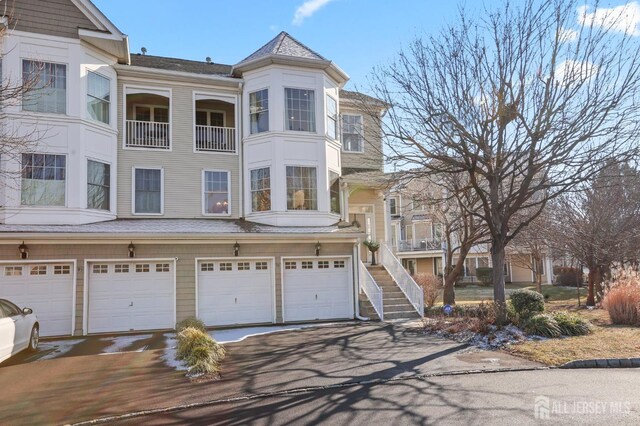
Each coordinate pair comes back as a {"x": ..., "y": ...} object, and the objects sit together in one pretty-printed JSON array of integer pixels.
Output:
[{"x": 603, "y": 363}]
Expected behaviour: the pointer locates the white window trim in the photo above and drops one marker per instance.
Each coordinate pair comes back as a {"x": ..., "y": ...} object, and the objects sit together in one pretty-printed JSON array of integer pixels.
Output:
[
  {"x": 133, "y": 190},
  {"x": 66, "y": 179},
  {"x": 203, "y": 198},
  {"x": 286, "y": 189},
  {"x": 284, "y": 110},
  {"x": 336, "y": 119},
  {"x": 361, "y": 136},
  {"x": 111, "y": 186},
  {"x": 397, "y": 200},
  {"x": 250, "y": 192},
  {"x": 160, "y": 91},
  {"x": 49, "y": 114},
  {"x": 211, "y": 96},
  {"x": 109, "y": 102},
  {"x": 249, "y": 132}
]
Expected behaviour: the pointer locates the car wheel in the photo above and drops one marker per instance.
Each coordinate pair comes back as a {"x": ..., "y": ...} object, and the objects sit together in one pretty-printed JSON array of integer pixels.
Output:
[{"x": 34, "y": 339}]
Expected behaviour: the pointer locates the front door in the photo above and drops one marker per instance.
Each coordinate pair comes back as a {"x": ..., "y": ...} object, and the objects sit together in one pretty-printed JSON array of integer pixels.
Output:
[{"x": 365, "y": 217}]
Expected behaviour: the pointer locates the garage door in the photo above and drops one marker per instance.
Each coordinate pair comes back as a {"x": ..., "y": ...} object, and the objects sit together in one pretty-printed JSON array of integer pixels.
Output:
[
  {"x": 317, "y": 289},
  {"x": 238, "y": 291},
  {"x": 45, "y": 288},
  {"x": 130, "y": 296}
]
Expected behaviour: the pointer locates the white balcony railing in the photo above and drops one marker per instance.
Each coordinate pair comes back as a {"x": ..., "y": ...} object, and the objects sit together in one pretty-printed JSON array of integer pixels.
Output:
[
  {"x": 147, "y": 134},
  {"x": 215, "y": 139},
  {"x": 411, "y": 290},
  {"x": 419, "y": 245},
  {"x": 371, "y": 290}
]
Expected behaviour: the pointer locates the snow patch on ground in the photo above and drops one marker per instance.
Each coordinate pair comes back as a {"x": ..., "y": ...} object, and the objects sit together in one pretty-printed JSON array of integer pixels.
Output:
[
  {"x": 239, "y": 334},
  {"x": 56, "y": 348},
  {"x": 170, "y": 350},
  {"x": 121, "y": 342}
]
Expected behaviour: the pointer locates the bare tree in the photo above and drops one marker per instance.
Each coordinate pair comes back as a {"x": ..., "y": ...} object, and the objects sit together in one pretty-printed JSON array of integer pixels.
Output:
[
  {"x": 525, "y": 101},
  {"x": 529, "y": 248},
  {"x": 600, "y": 225}
]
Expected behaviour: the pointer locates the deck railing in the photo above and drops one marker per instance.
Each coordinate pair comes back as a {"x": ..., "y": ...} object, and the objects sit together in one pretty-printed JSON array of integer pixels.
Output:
[
  {"x": 419, "y": 245},
  {"x": 215, "y": 139},
  {"x": 147, "y": 134},
  {"x": 411, "y": 290},
  {"x": 372, "y": 291}
]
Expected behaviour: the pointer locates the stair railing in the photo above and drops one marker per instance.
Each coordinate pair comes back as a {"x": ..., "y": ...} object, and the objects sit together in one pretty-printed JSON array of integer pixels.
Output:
[
  {"x": 412, "y": 291},
  {"x": 371, "y": 290}
]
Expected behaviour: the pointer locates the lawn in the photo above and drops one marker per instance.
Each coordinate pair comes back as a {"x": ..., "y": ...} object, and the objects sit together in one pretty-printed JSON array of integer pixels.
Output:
[{"x": 476, "y": 294}]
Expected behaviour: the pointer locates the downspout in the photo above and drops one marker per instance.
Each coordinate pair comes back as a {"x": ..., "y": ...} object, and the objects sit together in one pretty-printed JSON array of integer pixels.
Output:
[{"x": 356, "y": 256}]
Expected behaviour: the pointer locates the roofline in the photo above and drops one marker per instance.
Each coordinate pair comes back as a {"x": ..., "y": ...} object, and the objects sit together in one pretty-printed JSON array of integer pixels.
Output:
[
  {"x": 332, "y": 69},
  {"x": 96, "y": 16},
  {"x": 136, "y": 70},
  {"x": 10, "y": 238}
]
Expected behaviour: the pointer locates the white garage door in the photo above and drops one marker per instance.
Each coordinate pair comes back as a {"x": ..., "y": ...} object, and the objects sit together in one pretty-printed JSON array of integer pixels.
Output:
[
  {"x": 238, "y": 291},
  {"x": 47, "y": 288},
  {"x": 316, "y": 289},
  {"x": 130, "y": 296}
]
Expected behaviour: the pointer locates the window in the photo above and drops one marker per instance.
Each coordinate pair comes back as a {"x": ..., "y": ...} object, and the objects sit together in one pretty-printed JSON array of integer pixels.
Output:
[
  {"x": 162, "y": 267},
  {"x": 98, "y": 97},
  {"x": 98, "y": 185},
  {"x": 338, "y": 264},
  {"x": 142, "y": 267},
  {"x": 209, "y": 118},
  {"x": 148, "y": 191},
  {"x": 49, "y": 87},
  {"x": 121, "y": 268},
  {"x": 151, "y": 113},
  {"x": 261, "y": 266},
  {"x": 12, "y": 271},
  {"x": 244, "y": 266},
  {"x": 207, "y": 267},
  {"x": 100, "y": 269},
  {"x": 332, "y": 117},
  {"x": 352, "y": 133},
  {"x": 43, "y": 180},
  {"x": 216, "y": 192},
  {"x": 261, "y": 190},
  {"x": 226, "y": 266},
  {"x": 259, "y": 111},
  {"x": 437, "y": 231},
  {"x": 307, "y": 264},
  {"x": 323, "y": 264},
  {"x": 393, "y": 206},
  {"x": 38, "y": 270},
  {"x": 437, "y": 266},
  {"x": 290, "y": 265},
  {"x": 301, "y": 188},
  {"x": 334, "y": 192},
  {"x": 300, "y": 110},
  {"x": 61, "y": 270}
]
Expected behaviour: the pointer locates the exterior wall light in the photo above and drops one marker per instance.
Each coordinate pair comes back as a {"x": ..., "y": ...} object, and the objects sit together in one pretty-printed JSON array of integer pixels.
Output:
[
  {"x": 236, "y": 249},
  {"x": 318, "y": 247},
  {"x": 24, "y": 250},
  {"x": 132, "y": 249}
]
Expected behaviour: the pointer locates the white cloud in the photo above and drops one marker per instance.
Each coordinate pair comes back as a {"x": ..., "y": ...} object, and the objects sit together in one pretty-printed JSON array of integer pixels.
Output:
[
  {"x": 307, "y": 9},
  {"x": 624, "y": 18},
  {"x": 568, "y": 35},
  {"x": 570, "y": 72}
]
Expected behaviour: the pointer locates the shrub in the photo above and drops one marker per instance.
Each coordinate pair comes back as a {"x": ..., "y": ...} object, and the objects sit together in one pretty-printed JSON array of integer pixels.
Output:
[
  {"x": 622, "y": 297},
  {"x": 527, "y": 303},
  {"x": 191, "y": 322},
  {"x": 430, "y": 286},
  {"x": 542, "y": 325},
  {"x": 572, "y": 324},
  {"x": 568, "y": 277},
  {"x": 199, "y": 351},
  {"x": 485, "y": 276}
]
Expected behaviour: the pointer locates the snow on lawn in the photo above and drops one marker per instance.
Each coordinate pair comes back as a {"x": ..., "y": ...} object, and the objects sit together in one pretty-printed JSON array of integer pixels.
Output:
[
  {"x": 56, "y": 348},
  {"x": 121, "y": 342},
  {"x": 239, "y": 334}
]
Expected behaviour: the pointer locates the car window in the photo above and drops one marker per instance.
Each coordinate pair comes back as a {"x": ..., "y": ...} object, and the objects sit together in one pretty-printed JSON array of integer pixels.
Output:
[
  {"x": 9, "y": 308},
  {"x": 2, "y": 314}
]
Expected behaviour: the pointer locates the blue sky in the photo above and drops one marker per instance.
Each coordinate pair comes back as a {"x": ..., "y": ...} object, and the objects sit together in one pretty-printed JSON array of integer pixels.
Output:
[{"x": 355, "y": 34}]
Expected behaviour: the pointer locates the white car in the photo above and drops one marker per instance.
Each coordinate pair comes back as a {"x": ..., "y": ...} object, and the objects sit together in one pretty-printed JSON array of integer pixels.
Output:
[{"x": 19, "y": 329}]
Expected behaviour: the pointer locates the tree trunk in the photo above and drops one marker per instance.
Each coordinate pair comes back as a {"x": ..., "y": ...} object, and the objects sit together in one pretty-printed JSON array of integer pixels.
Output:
[
  {"x": 539, "y": 282},
  {"x": 499, "y": 295},
  {"x": 449, "y": 296},
  {"x": 593, "y": 278}
]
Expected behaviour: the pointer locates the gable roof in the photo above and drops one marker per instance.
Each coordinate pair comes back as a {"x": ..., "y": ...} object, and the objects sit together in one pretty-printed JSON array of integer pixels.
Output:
[
  {"x": 285, "y": 45},
  {"x": 184, "y": 65}
]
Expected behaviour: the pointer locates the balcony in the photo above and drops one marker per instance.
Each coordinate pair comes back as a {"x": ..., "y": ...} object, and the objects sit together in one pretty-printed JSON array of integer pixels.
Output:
[
  {"x": 419, "y": 245},
  {"x": 147, "y": 134},
  {"x": 215, "y": 139}
]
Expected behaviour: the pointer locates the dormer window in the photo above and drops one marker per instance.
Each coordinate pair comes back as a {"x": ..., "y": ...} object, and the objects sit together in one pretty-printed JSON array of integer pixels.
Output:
[{"x": 300, "y": 110}]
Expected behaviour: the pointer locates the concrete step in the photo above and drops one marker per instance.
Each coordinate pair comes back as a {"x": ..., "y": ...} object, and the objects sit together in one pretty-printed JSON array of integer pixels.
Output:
[{"x": 400, "y": 315}]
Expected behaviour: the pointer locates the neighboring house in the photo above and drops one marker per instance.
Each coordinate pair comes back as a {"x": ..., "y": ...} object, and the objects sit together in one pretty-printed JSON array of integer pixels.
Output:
[
  {"x": 416, "y": 235},
  {"x": 160, "y": 188}
]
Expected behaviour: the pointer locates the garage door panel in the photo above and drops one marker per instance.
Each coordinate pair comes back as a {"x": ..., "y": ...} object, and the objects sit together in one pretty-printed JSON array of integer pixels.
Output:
[
  {"x": 46, "y": 288},
  {"x": 235, "y": 291}
]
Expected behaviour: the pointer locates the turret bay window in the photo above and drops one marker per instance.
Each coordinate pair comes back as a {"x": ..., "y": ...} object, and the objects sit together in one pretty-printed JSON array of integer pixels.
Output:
[
  {"x": 98, "y": 97},
  {"x": 300, "y": 110},
  {"x": 98, "y": 185},
  {"x": 352, "y": 140},
  {"x": 261, "y": 189},
  {"x": 216, "y": 192},
  {"x": 148, "y": 187},
  {"x": 259, "y": 111},
  {"x": 48, "y": 83},
  {"x": 43, "y": 180},
  {"x": 302, "y": 184},
  {"x": 334, "y": 192},
  {"x": 332, "y": 117}
]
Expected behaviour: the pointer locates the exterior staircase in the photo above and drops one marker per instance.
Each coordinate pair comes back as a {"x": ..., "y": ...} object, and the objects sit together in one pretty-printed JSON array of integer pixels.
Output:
[{"x": 396, "y": 305}]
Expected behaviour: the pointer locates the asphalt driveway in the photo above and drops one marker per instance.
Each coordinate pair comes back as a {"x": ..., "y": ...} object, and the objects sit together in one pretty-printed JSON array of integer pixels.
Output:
[{"x": 79, "y": 387}]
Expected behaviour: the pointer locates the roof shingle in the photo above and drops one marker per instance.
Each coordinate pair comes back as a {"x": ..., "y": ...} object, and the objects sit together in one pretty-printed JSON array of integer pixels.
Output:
[
  {"x": 285, "y": 45},
  {"x": 184, "y": 65}
]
